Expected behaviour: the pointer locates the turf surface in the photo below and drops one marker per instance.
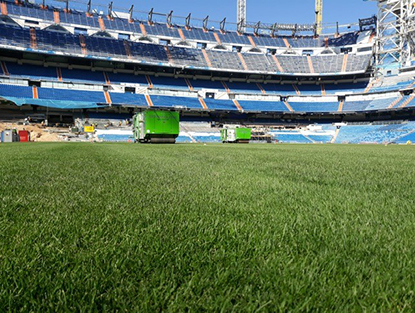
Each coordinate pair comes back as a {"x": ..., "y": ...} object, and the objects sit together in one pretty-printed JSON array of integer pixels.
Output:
[{"x": 144, "y": 228}]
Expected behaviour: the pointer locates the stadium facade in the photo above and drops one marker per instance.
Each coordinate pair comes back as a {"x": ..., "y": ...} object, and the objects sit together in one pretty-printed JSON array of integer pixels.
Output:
[{"x": 68, "y": 64}]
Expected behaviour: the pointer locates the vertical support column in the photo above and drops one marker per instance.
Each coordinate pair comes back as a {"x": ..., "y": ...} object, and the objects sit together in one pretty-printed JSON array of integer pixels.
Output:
[
  {"x": 143, "y": 30},
  {"x": 3, "y": 8},
  {"x": 56, "y": 17},
  {"x": 107, "y": 79},
  {"x": 4, "y": 68},
  {"x": 33, "y": 41},
  {"x": 341, "y": 104},
  {"x": 150, "y": 83},
  {"x": 82, "y": 44},
  {"x": 127, "y": 49},
  {"x": 101, "y": 23},
  {"x": 35, "y": 92},
  {"x": 323, "y": 90},
  {"x": 59, "y": 74}
]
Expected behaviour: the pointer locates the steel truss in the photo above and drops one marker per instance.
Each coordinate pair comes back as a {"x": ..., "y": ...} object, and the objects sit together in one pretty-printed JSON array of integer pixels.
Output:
[
  {"x": 241, "y": 15},
  {"x": 395, "y": 33}
]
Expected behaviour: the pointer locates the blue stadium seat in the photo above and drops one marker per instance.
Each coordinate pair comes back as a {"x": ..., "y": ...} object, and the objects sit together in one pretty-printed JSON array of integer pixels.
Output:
[
  {"x": 32, "y": 71},
  {"x": 320, "y": 138},
  {"x": 98, "y": 47},
  {"x": 169, "y": 83},
  {"x": 79, "y": 18},
  {"x": 206, "y": 84},
  {"x": 76, "y": 75},
  {"x": 119, "y": 78},
  {"x": 221, "y": 105},
  {"x": 71, "y": 95},
  {"x": 291, "y": 137},
  {"x": 128, "y": 99},
  {"x": 171, "y": 102},
  {"x": 397, "y": 133},
  {"x": 239, "y": 87},
  {"x": 323, "y": 107},
  {"x": 355, "y": 106},
  {"x": 263, "y": 106},
  {"x": 285, "y": 90},
  {"x": 309, "y": 89},
  {"x": 345, "y": 88},
  {"x": 15, "y": 91}
]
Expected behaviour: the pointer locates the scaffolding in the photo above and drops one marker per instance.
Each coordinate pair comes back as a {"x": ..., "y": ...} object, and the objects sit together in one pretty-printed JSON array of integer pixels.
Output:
[{"x": 395, "y": 30}]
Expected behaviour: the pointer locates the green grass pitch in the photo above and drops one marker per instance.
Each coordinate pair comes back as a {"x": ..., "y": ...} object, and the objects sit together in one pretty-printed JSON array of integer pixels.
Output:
[{"x": 243, "y": 228}]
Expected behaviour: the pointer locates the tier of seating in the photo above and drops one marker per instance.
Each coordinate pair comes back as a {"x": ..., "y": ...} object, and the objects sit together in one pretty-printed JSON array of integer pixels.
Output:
[
  {"x": 399, "y": 133},
  {"x": 290, "y": 137},
  {"x": 52, "y": 42},
  {"x": 75, "y": 98},
  {"x": 76, "y": 18},
  {"x": 33, "y": 72},
  {"x": 303, "y": 136},
  {"x": 380, "y": 134}
]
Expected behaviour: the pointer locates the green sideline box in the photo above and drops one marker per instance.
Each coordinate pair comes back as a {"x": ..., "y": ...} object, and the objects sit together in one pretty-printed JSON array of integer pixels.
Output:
[
  {"x": 154, "y": 126},
  {"x": 237, "y": 135}
]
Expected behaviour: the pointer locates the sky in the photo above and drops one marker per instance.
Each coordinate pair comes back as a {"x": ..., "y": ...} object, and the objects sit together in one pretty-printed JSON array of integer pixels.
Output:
[{"x": 268, "y": 11}]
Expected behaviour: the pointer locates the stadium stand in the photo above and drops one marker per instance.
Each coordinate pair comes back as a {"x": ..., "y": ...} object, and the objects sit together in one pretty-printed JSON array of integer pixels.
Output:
[
  {"x": 32, "y": 71},
  {"x": 314, "y": 106},
  {"x": 264, "y": 106},
  {"x": 128, "y": 99},
  {"x": 181, "y": 102},
  {"x": 169, "y": 83},
  {"x": 74, "y": 61},
  {"x": 290, "y": 137},
  {"x": 29, "y": 10},
  {"x": 52, "y": 42},
  {"x": 381, "y": 133}
]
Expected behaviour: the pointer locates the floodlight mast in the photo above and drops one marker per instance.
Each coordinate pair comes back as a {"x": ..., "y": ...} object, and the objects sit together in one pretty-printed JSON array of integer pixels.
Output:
[{"x": 241, "y": 15}]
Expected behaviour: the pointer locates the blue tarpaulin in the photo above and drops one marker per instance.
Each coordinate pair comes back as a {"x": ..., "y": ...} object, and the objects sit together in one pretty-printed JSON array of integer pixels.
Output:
[{"x": 57, "y": 104}]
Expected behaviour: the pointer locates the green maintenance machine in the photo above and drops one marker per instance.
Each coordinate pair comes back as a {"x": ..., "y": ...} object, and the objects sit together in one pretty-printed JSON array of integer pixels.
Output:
[
  {"x": 153, "y": 126},
  {"x": 236, "y": 135}
]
